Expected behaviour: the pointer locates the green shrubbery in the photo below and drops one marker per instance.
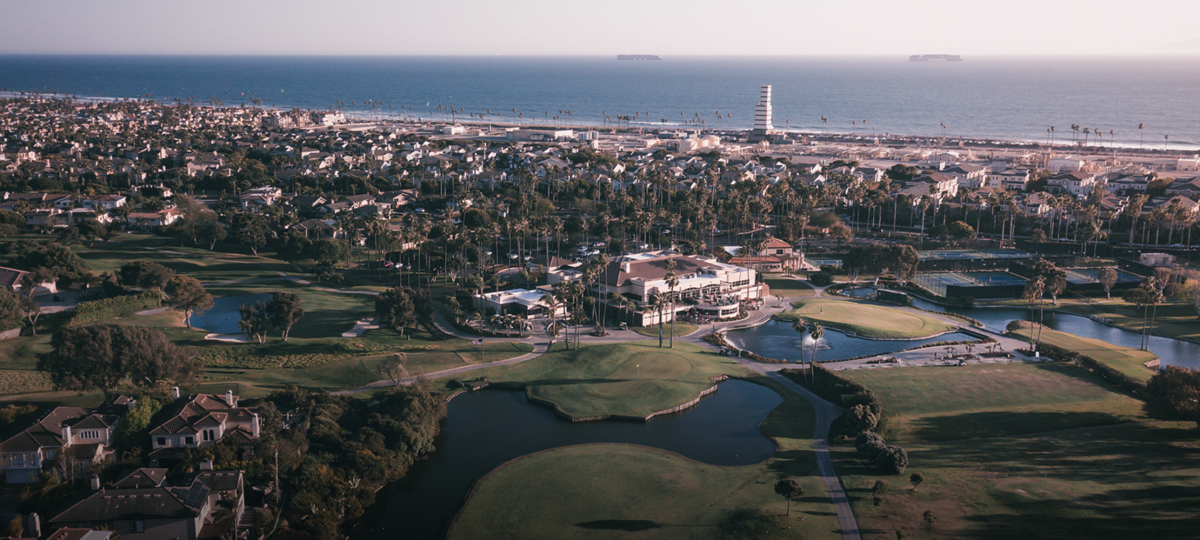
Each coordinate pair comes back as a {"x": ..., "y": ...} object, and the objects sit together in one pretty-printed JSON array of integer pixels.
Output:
[
  {"x": 111, "y": 308},
  {"x": 821, "y": 278}
]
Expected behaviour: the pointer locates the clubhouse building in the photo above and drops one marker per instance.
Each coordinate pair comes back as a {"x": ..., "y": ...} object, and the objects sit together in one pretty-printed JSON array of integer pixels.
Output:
[{"x": 708, "y": 289}]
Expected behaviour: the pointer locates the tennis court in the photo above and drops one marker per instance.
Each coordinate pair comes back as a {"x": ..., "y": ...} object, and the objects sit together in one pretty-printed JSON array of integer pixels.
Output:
[
  {"x": 964, "y": 254},
  {"x": 1092, "y": 275},
  {"x": 997, "y": 278},
  {"x": 936, "y": 282},
  {"x": 826, "y": 262}
]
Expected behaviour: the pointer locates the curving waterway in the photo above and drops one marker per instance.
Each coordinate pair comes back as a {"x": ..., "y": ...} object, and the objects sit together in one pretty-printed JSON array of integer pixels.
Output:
[
  {"x": 778, "y": 340},
  {"x": 1172, "y": 352},
  {"x": 486, "y": 429}
]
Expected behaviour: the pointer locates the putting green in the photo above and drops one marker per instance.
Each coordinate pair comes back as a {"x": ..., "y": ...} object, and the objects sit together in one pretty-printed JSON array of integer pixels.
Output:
[
  {"x": 627, "y": 379},
  {"x": 867, "y": 320}
]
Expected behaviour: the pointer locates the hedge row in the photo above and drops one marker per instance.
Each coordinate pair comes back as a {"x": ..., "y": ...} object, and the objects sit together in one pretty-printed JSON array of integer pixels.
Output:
[
  {"x": 836, "y": 389},
  {"x": 117, "y": 306},
  {"x": 1106, "y": 372}
]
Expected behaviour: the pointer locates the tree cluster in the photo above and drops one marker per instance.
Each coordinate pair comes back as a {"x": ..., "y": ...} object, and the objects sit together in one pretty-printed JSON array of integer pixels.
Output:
[
  {"x": 1176, "y": 391},
  {"x": 354, "y": 447},
  {"x": 888, "y": 459},
  {"x": 100, "y": 357},
  {"x": 281, "y": 311},
  {"x": 404, "y": 307},
  {"x": 900, "y": 260}
]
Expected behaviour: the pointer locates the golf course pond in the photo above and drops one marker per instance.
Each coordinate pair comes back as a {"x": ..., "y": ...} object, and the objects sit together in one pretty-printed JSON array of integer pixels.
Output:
[
  {"x": 1172, "y": 352},
  {"x": 486, "y": 429},
  {"x": 223, "y": 317},
  {"x": 777, "y": 339}
]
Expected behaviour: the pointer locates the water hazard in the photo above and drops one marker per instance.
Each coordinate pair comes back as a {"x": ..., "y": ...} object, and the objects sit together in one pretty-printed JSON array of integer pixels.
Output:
[
  {"x": 1172, "y": 352},
  {"x": 778, "y": 340},
  {"x": 486, "y": 429},
  {"x": 223, "y": 317}
]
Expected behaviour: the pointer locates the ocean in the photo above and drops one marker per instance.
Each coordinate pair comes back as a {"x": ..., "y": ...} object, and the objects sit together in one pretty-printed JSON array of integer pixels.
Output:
[{"x": 986, "y": 97}]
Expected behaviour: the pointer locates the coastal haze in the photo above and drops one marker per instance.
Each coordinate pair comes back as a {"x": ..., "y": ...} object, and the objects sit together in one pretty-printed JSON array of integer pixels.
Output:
[{"x": 1007, "y": 98}]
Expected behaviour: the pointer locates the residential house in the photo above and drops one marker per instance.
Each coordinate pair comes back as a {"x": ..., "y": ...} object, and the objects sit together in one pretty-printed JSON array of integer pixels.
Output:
[
  {"x": 358, "y": 201},
  {"x": 1010, "y": 179},
  {"x": 1077, "y": 183},
  {"x": 80, "y": 436},
  {"x": 396, "y": 199},
  {"x": 202, "y": 420},
  {"x": 1128, "y": 183},
  {"x": 317, "y": 228},
  {"x": 154, "y": 220},
  {"x": 1038, "y": 204},
  {"x": 207, "y": 504},
  {"x": 969, "y": 176},
  {"x": 1189, "y": 187},
  {"x": 104, "y": 203},
  {"x": 940, "y": 184},
  {"x": 307, "y": 203}
]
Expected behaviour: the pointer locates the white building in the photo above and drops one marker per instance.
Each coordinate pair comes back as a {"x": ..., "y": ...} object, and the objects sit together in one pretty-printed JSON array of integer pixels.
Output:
[
  {"x": 517, "y": 302},
  {"x": 707, "y": 287},
  {"x": 763, "y": 116}
]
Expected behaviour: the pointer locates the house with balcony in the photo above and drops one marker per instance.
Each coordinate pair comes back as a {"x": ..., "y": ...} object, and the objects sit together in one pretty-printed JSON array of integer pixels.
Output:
[{"x": 70, "y": 439}]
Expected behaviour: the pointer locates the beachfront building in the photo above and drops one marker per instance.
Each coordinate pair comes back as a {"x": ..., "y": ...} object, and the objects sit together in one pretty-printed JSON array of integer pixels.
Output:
[
  {"x": 707, "y": 288},
  {"x": 763, "y": 117}
]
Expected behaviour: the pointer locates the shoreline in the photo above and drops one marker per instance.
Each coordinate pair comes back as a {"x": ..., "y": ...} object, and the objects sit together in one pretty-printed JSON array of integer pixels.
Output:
[{"x": 363, "y": 118}]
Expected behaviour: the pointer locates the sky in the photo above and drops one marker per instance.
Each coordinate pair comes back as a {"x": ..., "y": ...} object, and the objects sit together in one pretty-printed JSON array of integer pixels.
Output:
[{"x": 601, "y": 27}]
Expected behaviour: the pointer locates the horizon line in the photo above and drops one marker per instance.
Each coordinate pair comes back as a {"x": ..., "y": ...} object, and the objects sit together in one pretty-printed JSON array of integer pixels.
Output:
[{"x": 1163, "y": 54}]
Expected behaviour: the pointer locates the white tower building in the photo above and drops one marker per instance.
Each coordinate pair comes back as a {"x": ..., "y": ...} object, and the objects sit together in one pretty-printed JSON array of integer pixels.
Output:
[{"x": 762, "y": 111}]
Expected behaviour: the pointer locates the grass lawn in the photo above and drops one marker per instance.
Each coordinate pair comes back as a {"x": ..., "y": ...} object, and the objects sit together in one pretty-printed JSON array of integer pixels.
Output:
[
  {"x": 336, "y": 363},
  {"x": 626, "y": 491},
  {"x": 989, "y": 437},
  {"x": 925, "y": 404},
  {"x": 630, "y": 379},
  {"x": 789, "y": 288},
  {"x": 867, "y": 320},
  {"x": 1139, "y": 480},
  {"x": 1128, "y": 361},
  {"x": 681, "y": 329}
]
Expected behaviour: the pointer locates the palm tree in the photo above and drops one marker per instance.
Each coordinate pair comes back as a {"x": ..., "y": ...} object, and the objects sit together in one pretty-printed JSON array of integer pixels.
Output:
[
  {"x": 672, "y": 282},
  {"x": 658, "y": 304},
  {"x": 800, "y": 328},
  {"x": 1141, "y": 135},
  {"x": 1034, "y": 291},
  {"x": 816, "y": 332}
]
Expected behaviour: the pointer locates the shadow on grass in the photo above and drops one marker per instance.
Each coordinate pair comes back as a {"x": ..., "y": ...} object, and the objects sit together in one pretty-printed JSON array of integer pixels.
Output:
[
  {"x": 627, "y": 525},
  {"x": 978, "y": 425}
]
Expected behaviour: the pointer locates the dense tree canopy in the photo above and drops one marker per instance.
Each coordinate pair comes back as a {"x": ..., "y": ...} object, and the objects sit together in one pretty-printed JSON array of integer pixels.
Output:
[
  {"x": 144, "y": 274},
  {"x": 402, "y": 307},
  {"x": 99, "y": 357}
]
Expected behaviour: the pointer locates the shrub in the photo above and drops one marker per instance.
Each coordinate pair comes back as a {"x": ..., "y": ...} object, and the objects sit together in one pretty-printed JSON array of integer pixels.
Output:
[
  {"x": 821, "y": 278},
  {"x": 111, "y": 308},
  {"x": 892, "y": 460},
  {"x": 869, "y": 444}
]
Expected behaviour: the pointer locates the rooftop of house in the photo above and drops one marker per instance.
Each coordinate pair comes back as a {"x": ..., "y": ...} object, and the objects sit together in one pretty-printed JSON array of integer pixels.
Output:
[{"x": 186, "y": 415}]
